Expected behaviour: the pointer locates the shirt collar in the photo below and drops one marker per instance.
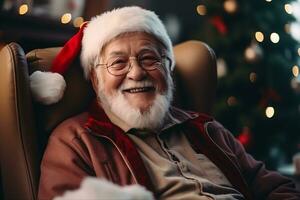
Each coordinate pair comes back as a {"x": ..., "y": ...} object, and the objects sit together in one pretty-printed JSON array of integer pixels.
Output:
[
  {"x": 174, "y": 117},
  {"x": 177, "y": 116}
]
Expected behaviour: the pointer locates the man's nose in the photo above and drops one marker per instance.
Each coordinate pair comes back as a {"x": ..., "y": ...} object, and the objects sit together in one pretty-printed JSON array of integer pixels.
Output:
[{"x": 136, "y": 72}]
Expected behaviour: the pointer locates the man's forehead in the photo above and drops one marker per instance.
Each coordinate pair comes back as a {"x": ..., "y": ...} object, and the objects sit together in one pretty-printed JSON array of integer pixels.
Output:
[{"x": 139, "y": 40}]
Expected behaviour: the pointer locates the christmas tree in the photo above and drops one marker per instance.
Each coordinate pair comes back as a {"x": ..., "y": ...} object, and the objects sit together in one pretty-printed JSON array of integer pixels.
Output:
[{"x": 258, "y": 89}]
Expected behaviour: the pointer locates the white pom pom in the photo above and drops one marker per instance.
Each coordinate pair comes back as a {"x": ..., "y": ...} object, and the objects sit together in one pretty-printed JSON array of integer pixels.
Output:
[
  {"x": 95, "y": 188},
  {"x": 47, "y": 87},
  {"x": 138, "y": 192}
]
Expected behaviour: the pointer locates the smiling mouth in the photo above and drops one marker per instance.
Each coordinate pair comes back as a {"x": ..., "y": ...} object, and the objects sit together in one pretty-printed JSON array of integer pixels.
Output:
[{"x": 139, "y": 89}]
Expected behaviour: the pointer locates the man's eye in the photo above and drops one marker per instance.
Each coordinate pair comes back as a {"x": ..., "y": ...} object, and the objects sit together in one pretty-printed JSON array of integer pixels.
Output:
[
  {"x": 149, "y": 59},
  {"x": 118, "y": 63}
]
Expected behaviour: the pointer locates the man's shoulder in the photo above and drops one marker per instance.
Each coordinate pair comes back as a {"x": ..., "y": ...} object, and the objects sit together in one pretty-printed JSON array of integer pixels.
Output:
[
  {"x": 183, "y": 115},
  {"x": 199, "y": 118},
  {"x": 71, "y": 127}
]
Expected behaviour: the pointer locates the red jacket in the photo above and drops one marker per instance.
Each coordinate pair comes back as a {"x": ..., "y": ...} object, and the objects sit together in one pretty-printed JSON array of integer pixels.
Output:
[{"x": 90, "y": 145}]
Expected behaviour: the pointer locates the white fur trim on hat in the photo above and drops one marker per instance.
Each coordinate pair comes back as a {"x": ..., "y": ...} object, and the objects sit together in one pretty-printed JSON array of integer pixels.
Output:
[
  {"x": 47, "y": 87},
  {"x": 95, "y": 188},
  {"x": 103, "y": 28}
]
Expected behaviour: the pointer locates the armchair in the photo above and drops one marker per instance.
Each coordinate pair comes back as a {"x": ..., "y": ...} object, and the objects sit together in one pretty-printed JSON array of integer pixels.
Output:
[{"x": 25, "y": 125}]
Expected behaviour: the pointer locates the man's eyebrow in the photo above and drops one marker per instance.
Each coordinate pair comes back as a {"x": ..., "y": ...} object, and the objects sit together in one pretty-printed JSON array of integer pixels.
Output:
[
  {"x": 150, "y": 48},
  {"x": 116, "y": 53}
]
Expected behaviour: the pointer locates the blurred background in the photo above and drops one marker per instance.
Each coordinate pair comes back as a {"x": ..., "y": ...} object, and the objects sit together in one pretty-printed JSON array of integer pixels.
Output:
[{"x": 256, "y": 43}]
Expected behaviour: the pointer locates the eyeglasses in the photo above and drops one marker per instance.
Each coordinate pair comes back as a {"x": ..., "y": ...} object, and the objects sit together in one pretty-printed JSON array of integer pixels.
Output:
[{"x": 122, "y": 65}]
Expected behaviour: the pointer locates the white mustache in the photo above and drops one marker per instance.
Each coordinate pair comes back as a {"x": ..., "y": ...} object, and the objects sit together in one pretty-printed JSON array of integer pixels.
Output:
[{"x": 140, "y": 84}]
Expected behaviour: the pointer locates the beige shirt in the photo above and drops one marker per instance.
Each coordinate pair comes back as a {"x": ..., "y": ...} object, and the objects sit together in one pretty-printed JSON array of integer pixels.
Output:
[{"x": 176, "y": 170}]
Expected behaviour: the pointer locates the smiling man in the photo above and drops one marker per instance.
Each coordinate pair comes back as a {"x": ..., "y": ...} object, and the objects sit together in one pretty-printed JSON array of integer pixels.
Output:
[
  {"x": 131, "y": 135},
  {"x": 133, "y": 81}
]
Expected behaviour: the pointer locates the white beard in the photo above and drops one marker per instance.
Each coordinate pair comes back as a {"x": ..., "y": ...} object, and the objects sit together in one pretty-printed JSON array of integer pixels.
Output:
[{"x": 153, "y": 118}]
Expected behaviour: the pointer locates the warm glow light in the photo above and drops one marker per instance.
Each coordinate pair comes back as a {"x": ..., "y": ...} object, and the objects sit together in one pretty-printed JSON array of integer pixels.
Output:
[
  {"x": 295, "y": 70},
  {"x": 252, "y": 77},
  {"x": 231, "y": 101},
  {"x": 23, "y": 9},
  {"x": 78, "y": 21},
  {"x": 274, "y": 37},
  {"x": 250, "y": 53},
  {"x": 288, "y": 8},
  {"x": 259, "y": 36},
  {"x": 230, "y": 6},
  {"x": 299, "y": 51},
  {"x": 270, "y": 112},
  {"x": 66, "y": 18},
  {"x": 201, "y": 9}
]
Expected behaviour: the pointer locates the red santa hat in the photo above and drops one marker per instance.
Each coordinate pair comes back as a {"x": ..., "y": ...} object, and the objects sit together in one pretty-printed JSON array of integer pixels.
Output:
[{"x": 48, "y": 87}]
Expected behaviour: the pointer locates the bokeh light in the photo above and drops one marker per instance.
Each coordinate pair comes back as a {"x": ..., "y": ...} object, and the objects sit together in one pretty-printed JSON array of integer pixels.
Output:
[
  {"x": 78, "y": 21},
  {"x": 274, "y": 37},
  {"x": 66, "y": 18},
  {"x": 23, "y": 9},
  {"x": 295, "y": 70},
  {"x": 201, "y": 9},
  {"x": 270, "y": 111},
  {"x": 259, "y": 36},
  {"x": 288, "y": 8}
]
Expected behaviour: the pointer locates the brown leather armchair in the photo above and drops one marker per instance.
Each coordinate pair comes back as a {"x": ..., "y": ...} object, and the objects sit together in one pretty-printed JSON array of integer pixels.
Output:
[{"x": 25, "y": 125}]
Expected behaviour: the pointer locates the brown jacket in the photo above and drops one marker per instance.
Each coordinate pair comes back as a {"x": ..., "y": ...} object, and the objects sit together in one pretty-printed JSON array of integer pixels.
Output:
[{"x": 90, "y": 145}]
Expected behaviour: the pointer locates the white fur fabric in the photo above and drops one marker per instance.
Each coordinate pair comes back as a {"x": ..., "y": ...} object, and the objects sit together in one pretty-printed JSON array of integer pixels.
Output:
[
  {"x": 103, "y": 28},
  {"x": 47, "y": 87},
  {"x": 97, "y": 189}
]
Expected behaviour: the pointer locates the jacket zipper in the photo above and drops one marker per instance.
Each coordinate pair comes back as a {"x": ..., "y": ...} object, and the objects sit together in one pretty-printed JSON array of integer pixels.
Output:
[{"x": 120, "y": 152}]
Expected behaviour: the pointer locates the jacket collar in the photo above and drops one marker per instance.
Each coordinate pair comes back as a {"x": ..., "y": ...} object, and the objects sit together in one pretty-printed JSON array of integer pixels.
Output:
[{"x": 99, "y": 124}]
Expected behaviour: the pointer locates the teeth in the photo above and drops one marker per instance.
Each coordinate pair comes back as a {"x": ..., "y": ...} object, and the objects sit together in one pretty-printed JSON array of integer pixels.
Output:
[{"x": 135, "y": 90}]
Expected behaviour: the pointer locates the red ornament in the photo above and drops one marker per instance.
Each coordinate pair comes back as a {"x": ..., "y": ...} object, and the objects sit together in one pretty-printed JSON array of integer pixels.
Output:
[
  {"x": 245, "y": 137},
  {"x": 219, "y": 24}
]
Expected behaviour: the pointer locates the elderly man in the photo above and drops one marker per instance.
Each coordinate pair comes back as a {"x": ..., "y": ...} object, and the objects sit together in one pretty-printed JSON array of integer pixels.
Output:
[{"x": 131, "y": 135}]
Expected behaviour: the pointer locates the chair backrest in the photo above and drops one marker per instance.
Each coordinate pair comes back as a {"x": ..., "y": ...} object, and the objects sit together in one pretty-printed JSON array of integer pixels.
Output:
[{"x": 25, "y": 125}]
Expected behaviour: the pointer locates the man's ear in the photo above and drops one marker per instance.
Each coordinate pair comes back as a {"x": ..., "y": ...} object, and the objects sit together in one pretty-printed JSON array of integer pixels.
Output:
[{"x": 94, "y": 79}]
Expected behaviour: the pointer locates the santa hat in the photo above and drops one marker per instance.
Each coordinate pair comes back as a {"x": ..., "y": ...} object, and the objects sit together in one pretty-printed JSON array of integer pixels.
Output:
[{"x": 48, "y": 87}]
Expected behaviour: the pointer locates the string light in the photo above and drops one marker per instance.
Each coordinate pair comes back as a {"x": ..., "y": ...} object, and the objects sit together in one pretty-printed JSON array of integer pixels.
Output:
[
  {"x": 250, "y": 54},
  {"x": 231, "y": 101},
  {"x": 201, "y": 9},
  {"x": 221, "y": 67},
  {"x": 230, "y": 6},
  {"x": 253, "y": 77},
  {"x": 295, "y": 70},
  {"x": 259, "y": 36},
  {"x": 288, "y": 8},
  {"x": 270, "y": 112},
  {"x": 268, "y": 0},
  {"x": 287, "y": 28},
  {"x": 274, "y": 37},
  {"x": 66, "y": 18},
  {"x": 23, "y": 9},
  {"x": 78, "y": 21}
]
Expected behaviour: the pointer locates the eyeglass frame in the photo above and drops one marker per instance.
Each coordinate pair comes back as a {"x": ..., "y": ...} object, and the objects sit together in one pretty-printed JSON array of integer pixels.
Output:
[{"x": 130, "y": 65}]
